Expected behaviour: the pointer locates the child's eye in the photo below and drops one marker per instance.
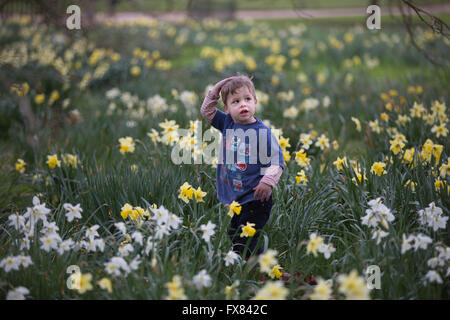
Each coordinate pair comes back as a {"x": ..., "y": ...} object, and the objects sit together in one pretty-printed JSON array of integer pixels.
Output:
[{"x": 247, "y": 99}]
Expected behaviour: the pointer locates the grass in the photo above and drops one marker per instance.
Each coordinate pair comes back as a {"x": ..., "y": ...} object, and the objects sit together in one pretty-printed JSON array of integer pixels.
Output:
[{"x": 331, "y": 204}]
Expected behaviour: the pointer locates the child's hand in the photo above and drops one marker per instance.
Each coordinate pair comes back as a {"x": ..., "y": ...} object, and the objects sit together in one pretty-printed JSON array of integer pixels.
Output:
[
  {"x": 218, "y": 86},
  {"x": 262, "y": 192}
]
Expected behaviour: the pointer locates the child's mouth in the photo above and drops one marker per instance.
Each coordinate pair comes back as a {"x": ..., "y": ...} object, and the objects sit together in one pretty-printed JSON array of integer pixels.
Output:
[{"x": 243, "y": 112}]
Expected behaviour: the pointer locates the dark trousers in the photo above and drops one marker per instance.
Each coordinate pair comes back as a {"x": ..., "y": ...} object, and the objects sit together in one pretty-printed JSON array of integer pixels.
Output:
[{"x": 256, "y": 212}]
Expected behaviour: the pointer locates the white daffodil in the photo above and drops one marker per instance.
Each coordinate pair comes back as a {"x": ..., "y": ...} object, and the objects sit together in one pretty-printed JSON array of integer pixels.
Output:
[
  {"x": 49, "y": 242},
  {"x": 121, "y": 226},
  {"x": 137, "y": 237},
  {"x": 17, "y": 293},
  {"x": 161, "y": 215},
  {"x": 116, "y": 265},
  {"x": 422, "y": 241},
  {"x": 327, "y": 250},
  {"x": 134, "y": 264},
  {"x": 65, "y": 245},
  {"x": 17, "y": 221},
  {"x": 378, "y": 234},
  {"x": 10, "y": 263},
  {"x": 72, "y": 211},
  {"x": 406, "y": 242},
  {"x": 174, "y": 221},
  {"x": 230, "y": 258},
  {"x": 125, "y": 250},
  {"x": 202, "y": 279},
  {"x": 161, "y": 231},
  {"x": 25, "y": 261},
  {"x": 91, "y": 233},
  {"x": 433, "y": 276},
  {"x": 208, "y": 230}
]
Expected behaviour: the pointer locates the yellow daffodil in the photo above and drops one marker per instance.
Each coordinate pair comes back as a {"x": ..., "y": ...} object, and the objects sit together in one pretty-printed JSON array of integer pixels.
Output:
[
  {"x": 302, "y": 159},
  {"x": 272, "y": 291},
  {"x": 301, "y": 177},
  {"x": 70, "y": 159},
  {"x": 84, "y": 283},
  {"x": 275, "y": 273},
  {"x": 339, "y": 163},
  {"x": 248, "y": 230},
  {"x": 39, "y": 98},
  {"x": 353, "y": 286},
  {"x": 186, "y": 192},
  {"x": 234, "y": 208},
  {"x": 126, "y": 210},
  {"x": 378, "y": 168},
  {"x": 357, "y": 123},
  {"x": 199, "y": 194},
  {"x": 52, "y": 161},
  {"x": 396, "y": 146},
  {"x": 175, "y": 288},
  {"x": 126, "y": 145},
  {"x": 105, "y": 284},
  {"x": 440, "y": 130},
  {"x": 267, "y": 260},
  {"x": 411, "y": 184},
  {"x": 20, "y": 165},
  {"x": 323, "y": 290}
]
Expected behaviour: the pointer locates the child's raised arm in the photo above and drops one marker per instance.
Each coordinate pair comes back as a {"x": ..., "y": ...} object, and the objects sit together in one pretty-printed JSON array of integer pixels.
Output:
[{"x": 208, "y": 109}]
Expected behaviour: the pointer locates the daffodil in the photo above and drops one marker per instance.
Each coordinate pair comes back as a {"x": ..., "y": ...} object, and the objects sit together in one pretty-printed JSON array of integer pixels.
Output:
[
  {"x": 357, "y": 123},
  {"x": 378, "y": 168},
  {"x": 396, "y": 146},
  {"x": 52, "y": 161},
  {"x": 105, "y": 284},
  {"x": 353, "y": 286},
  {"x": 275, "y": 273},
  {"x": 199, "y": 194},
  {"x": 302, "y": 159},
  {"x": 272, "y": 291},
  {"x": 20, "y": 165},
  {"x": 234, "y": 208},
  {"x": 126, "y": 145},
  {"x": 322, "y": 142},
  {"x": 314, "y": 244},
  {"x": 301, "y": 177},
  {"x": 248, "y": 230},
  {"x": 126, "y": 210},
  {"x": 340, "y": 162},
  {"x": 84, "y": 283},
  {"x": 267, "y": 260},
  {"x": 323, "y": 290},
  {"x": 440, "y": 130},
  {"x": 39, "y": 98},
  {"x": 186, "y": 192},
  {"x": 175, "y": 288},
  {"x": 417, "y": 110}
]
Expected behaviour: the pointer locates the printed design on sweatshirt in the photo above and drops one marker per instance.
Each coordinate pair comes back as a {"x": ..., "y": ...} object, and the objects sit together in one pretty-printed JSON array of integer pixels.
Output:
[{"x": 233, "y": 172}]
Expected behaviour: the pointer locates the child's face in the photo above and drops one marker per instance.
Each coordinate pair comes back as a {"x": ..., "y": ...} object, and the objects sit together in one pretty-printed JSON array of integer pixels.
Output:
[{"x": 241, "y": 106}]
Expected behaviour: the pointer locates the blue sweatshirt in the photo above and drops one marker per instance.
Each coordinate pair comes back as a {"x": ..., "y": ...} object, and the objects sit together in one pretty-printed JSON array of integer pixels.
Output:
[{"x": 246, "y": 149}]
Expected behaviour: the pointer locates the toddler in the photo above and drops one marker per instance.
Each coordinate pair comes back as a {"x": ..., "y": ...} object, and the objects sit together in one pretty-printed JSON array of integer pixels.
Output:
[{"x": 246, "y": 173}]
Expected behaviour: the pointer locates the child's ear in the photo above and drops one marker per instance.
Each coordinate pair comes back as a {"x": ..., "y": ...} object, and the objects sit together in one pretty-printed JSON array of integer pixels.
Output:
[{"x": 225, "y": 108}]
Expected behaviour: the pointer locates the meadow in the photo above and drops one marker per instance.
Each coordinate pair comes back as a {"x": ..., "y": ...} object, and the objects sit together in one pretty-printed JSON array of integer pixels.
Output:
[{"x": 89, "y": 121}]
